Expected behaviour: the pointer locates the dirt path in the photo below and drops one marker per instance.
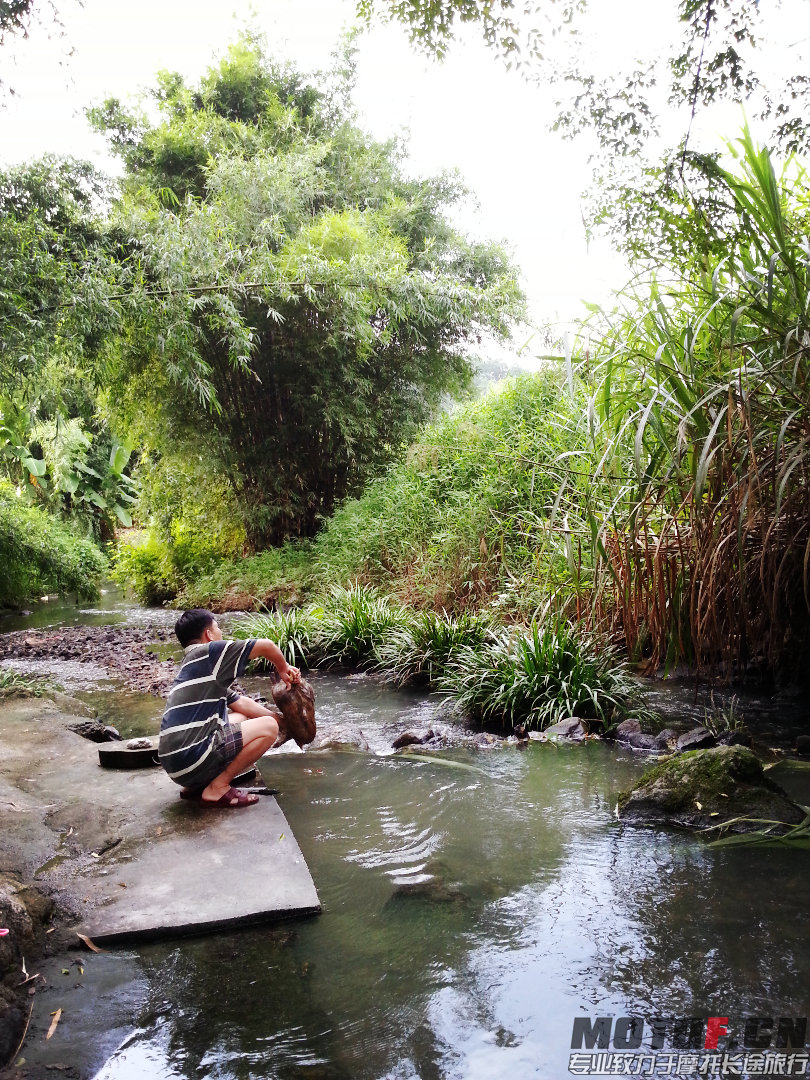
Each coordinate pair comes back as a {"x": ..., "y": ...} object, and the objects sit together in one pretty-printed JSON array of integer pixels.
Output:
[{"x": 124, "y": 651}]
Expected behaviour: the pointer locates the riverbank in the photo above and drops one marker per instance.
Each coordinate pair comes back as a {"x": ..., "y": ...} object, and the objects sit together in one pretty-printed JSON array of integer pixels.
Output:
[
  {"x": 128, "y": 653},
  {"x": 115, "y": 855}
]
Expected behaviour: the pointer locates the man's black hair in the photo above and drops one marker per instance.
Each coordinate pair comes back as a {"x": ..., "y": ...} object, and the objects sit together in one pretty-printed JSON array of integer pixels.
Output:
[{"x": 192, "y": 625}]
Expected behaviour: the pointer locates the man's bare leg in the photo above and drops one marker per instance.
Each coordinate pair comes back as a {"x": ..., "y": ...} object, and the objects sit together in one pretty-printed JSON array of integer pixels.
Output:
[{"x": 259, "y": 733}]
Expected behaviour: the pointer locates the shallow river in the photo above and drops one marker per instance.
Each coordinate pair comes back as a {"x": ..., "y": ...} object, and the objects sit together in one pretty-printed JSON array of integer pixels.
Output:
[{"x": 474, "y": 904}]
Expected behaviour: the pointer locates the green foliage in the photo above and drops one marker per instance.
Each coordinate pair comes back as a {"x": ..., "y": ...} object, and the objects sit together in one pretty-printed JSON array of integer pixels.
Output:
[
  {"x": 297, "y": 306},
  {"x": 474, "y": 515},
  {"x": 700, "y": 397},
  {"x": 417, "y": 651},
  {"x": 541, "y": 677},
  {"x": 58, "y": 271},
  {"x": 431, "y": 23},
  {"x": 40, "y": 555},
  {"x": 353, "y": 622},
  {"x": 143, "y": 563},
  {"x": 294, "y": 631},
  {"x": 496, "y": 674},
  {"x": 15, "y": 684}
]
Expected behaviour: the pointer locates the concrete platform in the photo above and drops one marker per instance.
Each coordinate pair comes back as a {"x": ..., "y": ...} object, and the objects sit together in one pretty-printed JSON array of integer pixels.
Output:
[{"x": 131, "y": 858}]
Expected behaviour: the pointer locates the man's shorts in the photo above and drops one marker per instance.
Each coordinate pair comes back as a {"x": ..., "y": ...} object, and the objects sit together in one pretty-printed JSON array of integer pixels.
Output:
[{"x": 226, "y": 744}]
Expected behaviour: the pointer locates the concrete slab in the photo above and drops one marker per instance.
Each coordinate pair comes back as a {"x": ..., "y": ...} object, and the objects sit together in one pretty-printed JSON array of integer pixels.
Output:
[{"x": 131, "y": 858}]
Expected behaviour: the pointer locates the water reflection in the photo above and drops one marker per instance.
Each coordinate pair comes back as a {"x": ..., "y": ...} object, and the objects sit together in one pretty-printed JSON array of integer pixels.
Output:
[{"x": 474, "y": 904}]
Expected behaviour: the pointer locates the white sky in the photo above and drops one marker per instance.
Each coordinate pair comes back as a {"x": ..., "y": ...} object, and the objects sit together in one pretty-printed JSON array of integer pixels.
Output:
[{"x": 467, "y": 113}]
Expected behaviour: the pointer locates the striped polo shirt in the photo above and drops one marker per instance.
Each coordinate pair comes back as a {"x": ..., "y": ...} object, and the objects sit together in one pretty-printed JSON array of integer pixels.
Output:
[{"x": 197, "y": 705}]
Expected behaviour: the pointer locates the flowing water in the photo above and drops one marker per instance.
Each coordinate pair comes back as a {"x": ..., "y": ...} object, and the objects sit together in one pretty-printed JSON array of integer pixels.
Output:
[{"x": 474, "y": 904}]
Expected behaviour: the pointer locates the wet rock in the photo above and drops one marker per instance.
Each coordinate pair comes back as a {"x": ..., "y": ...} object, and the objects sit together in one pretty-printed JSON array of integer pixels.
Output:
[
  {"x": 707, "y": 788},
  {"x": 667, "y": 739},
  {"x": 735, "y": 738},
  {"x": 803, "y": 745},
  {"x": 639, "y": 740},
  {"x": 573, "y": 728},
  {"x": 411, "y": 738},
  {"x": 297, "y": 704},
  {"x": 485, "y": 740},
  {"x": 340, "y": 736},
  {"x": 698, "y": 738},
  {"x": 95, "y": 731},
  {"x": 622, "y": 732},
  {"x": 24, "y": 912}
]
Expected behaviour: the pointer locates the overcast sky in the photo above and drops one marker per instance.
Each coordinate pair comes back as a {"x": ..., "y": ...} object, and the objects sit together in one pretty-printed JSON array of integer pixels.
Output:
[{"x": 467, "y": 113}]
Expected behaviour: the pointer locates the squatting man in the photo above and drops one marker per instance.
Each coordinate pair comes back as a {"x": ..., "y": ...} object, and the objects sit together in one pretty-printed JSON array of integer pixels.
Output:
[{"x": 210, "y": 733}]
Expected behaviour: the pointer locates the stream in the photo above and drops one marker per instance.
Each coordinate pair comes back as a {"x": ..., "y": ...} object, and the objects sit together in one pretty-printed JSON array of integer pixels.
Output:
[{"x": 475, "y": 902}]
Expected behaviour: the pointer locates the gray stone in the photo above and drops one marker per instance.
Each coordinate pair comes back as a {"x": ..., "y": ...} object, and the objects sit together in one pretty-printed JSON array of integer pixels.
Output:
[
  {"x": 411, "y": 738},
  {"x": 573, "y": 728},
  {"x": 698, "y": 738},
  {"x": 638, "y": 740},
  {"x": 735, "y": 738},
  {"x": 148, "y": 863},
  {"x": 340, "y": 736},
  {"x": 622, "y": 732},
  {"x": 95, "y": 731},
  {"x": 667, "y": 738},
  {"x": 709, "y": 788}
]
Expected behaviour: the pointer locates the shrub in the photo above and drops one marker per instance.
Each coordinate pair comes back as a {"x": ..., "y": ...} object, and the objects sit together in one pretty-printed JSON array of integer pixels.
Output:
[
  {"x": 40, "y": 554},
  {"x": 294, "y": 631},
  {"x": 540, "y": 678},
  {"x": 143, "y": 563},
  {"x": 417, "y": 651}
]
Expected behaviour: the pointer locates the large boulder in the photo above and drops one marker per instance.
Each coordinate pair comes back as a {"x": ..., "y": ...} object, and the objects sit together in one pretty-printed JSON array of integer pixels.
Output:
[{"x": 705, "y": 788}]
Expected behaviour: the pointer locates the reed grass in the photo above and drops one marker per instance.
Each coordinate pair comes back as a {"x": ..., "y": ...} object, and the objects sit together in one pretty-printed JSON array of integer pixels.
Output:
[{"x": 702, "y": 419}]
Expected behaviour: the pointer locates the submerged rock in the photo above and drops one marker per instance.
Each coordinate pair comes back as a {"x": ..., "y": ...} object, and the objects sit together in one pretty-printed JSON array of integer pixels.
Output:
[
  {"x": 339, "y": 736},
  {"x": 639, "y": 740},
  {"x": 708, "y": 788},
  {"x": 413, "y": 738}
]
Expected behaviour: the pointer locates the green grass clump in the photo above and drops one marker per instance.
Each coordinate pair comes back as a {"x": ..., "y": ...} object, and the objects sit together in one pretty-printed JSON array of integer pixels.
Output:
[
  {"x": 416, "y": 652},
  {"x": 14, "y": 684},
  {"x": 294, "y": 631},
  {"x": 353, "y": 622},
  {"x": 541, "y": 677},
  {"x": 344, "y": 628}
]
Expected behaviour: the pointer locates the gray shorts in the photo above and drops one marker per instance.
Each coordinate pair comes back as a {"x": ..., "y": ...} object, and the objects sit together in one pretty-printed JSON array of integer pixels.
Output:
[{"x": 226, "y": 744}]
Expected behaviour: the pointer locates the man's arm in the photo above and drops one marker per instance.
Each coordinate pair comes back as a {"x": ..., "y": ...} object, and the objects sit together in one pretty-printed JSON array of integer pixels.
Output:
[{"x": 270, "y": 651}]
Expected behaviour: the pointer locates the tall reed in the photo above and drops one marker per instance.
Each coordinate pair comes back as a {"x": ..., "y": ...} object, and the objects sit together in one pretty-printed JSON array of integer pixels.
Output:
[{"x": 700, "y": 397}]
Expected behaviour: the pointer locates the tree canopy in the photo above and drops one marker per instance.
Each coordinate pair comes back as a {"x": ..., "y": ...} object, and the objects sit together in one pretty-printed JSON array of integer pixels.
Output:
[{"x": 295, "y": 303}]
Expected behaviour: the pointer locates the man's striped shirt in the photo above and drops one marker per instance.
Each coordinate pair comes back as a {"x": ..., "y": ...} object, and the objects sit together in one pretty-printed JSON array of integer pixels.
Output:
[{"x": 198, "y": 703}]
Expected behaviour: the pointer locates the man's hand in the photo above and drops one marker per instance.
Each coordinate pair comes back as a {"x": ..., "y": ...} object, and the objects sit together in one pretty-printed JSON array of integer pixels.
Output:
[{"x": 288, "y": 674}]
